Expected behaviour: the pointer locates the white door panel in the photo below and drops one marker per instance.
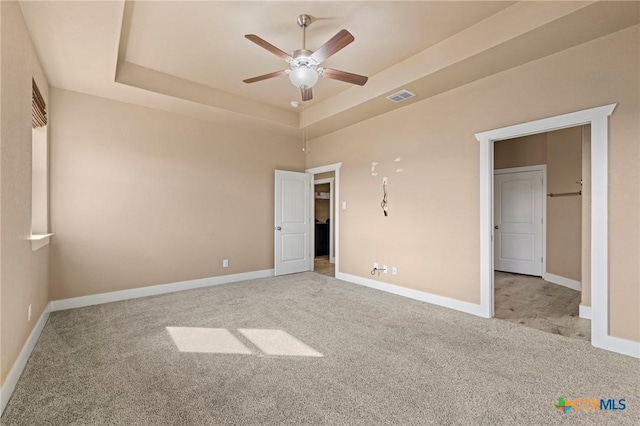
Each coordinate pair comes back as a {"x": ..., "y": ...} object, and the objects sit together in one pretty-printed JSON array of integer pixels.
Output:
[
  {"x": 517, "y": 247},
  {"x": 292, "y": 216},
  {"x": 520, "y": 205},
  {"x": 518, "y": 199},
  {"x": 293, "y": 247}
]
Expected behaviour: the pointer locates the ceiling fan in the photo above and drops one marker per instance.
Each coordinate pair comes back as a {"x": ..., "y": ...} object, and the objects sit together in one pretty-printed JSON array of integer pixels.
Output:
[{"x": 304, "y": 64}]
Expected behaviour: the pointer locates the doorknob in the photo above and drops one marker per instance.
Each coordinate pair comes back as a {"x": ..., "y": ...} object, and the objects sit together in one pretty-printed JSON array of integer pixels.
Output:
[
  {"x": 278, "y": 228},
  {"x": 496, "y": 227}
]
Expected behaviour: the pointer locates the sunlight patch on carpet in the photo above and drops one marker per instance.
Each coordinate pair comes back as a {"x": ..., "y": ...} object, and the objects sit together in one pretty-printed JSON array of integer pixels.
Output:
[
  {"x": 207, "y": 340},
  {"x": 278, "y": 342}
]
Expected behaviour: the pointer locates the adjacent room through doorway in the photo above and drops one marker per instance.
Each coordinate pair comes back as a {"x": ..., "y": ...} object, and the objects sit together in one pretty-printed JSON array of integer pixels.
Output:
[
  {"x": 541, "y": 217},
  {"x": 324, "y": 257}
]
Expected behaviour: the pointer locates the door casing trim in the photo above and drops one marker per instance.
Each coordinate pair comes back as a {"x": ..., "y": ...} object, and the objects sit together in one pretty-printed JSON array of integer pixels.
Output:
[{"x": 598, "y": 118}]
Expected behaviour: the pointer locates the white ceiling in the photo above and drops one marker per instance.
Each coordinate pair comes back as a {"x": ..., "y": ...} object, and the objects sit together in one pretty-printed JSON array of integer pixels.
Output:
[{"x": 191, "y": 57}]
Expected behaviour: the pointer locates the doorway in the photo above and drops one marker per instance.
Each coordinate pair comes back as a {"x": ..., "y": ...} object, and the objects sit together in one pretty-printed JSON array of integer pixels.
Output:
[
  {"x": 328, "y": 264},
  {"x": 538, "y": 230},
  {"x": 598, "y": 119},
  {"x": 323, "y": 213}
]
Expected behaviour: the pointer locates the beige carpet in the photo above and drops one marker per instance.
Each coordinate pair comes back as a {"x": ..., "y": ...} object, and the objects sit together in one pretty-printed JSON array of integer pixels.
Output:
[
  {"x": 536, "y": 303},
  {"x": 308, "y": 349}
]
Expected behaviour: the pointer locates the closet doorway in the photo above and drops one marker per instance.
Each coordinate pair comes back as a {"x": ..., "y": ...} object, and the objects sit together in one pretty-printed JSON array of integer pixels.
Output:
[
  {"x": 540, "y": 218},
  {"x": 324, "y": 246}
]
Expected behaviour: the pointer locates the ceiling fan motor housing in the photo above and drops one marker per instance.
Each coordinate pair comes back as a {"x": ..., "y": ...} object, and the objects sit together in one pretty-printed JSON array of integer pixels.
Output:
[
  {"x": 304, "y": 69},
  {"x": 303, "y": 53}
]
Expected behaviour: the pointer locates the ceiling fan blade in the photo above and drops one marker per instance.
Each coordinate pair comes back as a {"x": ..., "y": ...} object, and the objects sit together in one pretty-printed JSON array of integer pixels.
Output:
[
  {"x": 348, "y": 77},
  {"x": 336, "y": 43},
  {"x": 307, "y": 94},
  {"x": 268, "y": 46},
  {"x": 265, "y": 76}
]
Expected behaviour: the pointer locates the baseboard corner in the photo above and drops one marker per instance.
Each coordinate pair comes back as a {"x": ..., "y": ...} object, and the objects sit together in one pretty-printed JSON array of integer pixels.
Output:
[
  {"x": 584, "y": 311},
  {"x": 565, "y": 282},
  {"x": 619, "y": 345}
]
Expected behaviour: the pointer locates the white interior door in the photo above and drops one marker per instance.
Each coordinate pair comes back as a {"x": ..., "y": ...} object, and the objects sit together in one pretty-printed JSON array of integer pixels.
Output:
[
  {"x": 518, "y": 214},
  {"x": 292, "y": 222}
]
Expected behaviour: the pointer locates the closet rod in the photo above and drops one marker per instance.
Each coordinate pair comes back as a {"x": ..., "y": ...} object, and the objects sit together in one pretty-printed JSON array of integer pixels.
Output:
[{"x": 563, "y": 194}]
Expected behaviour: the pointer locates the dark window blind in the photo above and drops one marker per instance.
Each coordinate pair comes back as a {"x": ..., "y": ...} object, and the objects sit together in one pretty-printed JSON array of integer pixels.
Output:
[{"x": 38, "y": 107}]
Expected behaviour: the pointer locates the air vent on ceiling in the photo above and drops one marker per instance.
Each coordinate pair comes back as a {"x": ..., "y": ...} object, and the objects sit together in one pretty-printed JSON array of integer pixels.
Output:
[{"x": 400, "y": 96}]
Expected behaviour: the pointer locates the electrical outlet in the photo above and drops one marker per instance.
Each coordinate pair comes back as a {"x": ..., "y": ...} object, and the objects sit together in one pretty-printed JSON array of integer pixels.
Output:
[
  {"x": 384, "y": 269},
  {"x": 394, "y": 270},
  {"x": 344, "y": 205},
  {"x": 375, "y": 266},
  {"x": 384, "y": 180},
  {"x": 225, "y": 263},
  {"x": 29, "y": 313}
]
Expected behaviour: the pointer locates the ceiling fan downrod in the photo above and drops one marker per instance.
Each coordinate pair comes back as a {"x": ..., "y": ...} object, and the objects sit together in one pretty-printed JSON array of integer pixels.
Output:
[{"x": 303, "y": 22}]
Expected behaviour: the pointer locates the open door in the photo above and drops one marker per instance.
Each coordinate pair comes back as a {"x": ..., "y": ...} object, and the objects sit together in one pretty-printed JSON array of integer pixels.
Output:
[{"x": 292, "y": 226}]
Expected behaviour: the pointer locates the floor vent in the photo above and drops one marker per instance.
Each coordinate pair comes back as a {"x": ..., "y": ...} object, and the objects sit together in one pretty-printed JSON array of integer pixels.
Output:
[{"x": 400, "y": 96}]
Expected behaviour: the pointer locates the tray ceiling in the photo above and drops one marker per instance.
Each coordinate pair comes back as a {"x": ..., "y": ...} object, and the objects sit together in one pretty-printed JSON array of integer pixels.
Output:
[{"x": 191, "y": 57}]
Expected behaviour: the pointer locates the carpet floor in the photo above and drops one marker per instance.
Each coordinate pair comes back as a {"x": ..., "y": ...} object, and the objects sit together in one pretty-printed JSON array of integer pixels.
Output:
[{"x": 386, "y": 360}]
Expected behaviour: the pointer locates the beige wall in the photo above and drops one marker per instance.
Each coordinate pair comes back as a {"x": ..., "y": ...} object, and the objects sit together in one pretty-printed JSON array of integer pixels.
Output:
[
  {"x": 564, "y": 215},
  {"x": 432, "y": 231},
  {"x": 24, "y": 272},
  {"x": 142, "y": 197},
  {"x": 519, "y": 152}
]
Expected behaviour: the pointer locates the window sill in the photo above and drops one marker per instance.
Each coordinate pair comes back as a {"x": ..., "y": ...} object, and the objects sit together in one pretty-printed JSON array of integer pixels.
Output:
[{"x": 39, "y": 240}]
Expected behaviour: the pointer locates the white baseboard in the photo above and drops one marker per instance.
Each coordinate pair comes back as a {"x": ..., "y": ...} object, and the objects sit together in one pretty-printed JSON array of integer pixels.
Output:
[
  {"x": 18, "y": 366},
  {"x": 332, "y": 260},
  {"x": 584, "y": 312},
  {"x": 565, "y": 282},
  {"x": 619, "y": 345},
  {"x": 114, "y": 296},
  {"x": 458, "y": 305}
]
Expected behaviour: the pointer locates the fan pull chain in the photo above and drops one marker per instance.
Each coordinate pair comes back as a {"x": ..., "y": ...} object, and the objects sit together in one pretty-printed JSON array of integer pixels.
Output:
[{"x": 305, "y": 140}]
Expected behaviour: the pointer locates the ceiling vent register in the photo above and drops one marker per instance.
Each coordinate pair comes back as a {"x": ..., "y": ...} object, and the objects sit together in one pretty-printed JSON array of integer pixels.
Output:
[{"x": 400, "y": 96}]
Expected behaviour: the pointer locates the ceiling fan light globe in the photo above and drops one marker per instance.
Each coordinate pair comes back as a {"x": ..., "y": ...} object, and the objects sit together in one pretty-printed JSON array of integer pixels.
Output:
[{"x": 303, "y": 76}]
